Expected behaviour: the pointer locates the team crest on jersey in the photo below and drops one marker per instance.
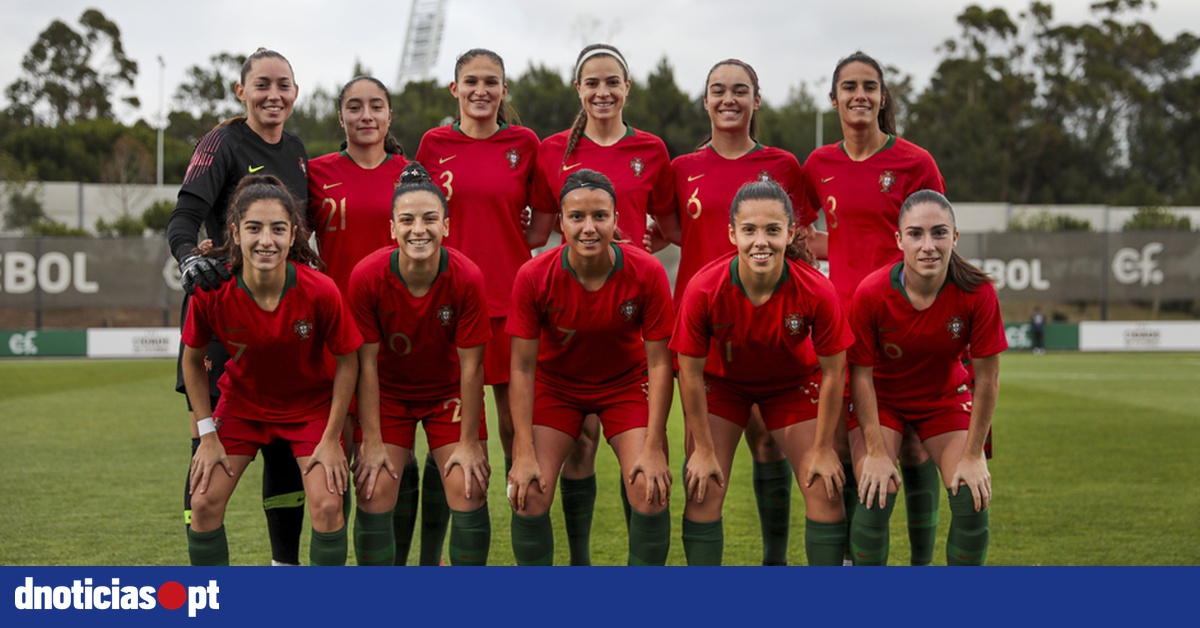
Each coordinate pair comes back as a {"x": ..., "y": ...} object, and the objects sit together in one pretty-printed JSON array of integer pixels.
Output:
[
  {"x": 793, "y": 323},
  {"x": 514, "y": 157},
  {"x": 445, "y": 314},
  {"x": 886, "y": 180},
  {"x": 763, "y": 176},
  {"x": 303, "y": 328},
  {"x": 955, "y": 326},
  {"x": 638, "y": 166},
  {"x": 628, "y": 309}
]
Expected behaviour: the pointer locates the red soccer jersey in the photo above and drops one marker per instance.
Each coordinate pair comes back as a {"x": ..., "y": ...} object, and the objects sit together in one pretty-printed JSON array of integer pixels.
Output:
[
  {"x": 760, "y": 349},
  {"x": 281, "y": 363},
  {"x": 591, "y": 341},
  {"x": 705, "y": 184},
  {"x": 915, "y": 354},
  {"x": 862, "y": 202},
  {"x": 637, "y": 165},
  {"x": 487, "y": 185},
  {"x": 419, "y": 337},
  {"x": 351, "y": 208}
]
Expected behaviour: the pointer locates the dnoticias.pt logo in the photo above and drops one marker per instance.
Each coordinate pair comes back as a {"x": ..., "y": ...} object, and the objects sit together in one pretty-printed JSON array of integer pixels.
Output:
[{"x": 83, "y": 595}]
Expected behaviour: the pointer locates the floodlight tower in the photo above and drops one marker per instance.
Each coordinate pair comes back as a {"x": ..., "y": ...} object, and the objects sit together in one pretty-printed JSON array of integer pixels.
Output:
[{"x": 422, "y": 41}]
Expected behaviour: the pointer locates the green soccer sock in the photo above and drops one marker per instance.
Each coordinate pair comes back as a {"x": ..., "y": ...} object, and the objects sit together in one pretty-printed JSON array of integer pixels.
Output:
[
  {"x": 773, "y": 492},
  {"x": 404, "y": 515},
  {"x": 824, "y": 543},
  {"x": 921, "y": 488},
  {"x": 870, "y": 539},
  {"x": 470, "y": 537},
  {"x": 703, "y": 543},
  {"x": 533, "y": 540},
  {"x": 327, "y": 549},
  {"x": 435, "y": 514},
  {"x": 849, "y": 502},
  {"x": 649, "y": 538},
  {"x": 579, "y": 504},
  {"x": 208, "y": 549},
  {"x": 967, "y": 543},
  {"x": 373, "y": 542}
]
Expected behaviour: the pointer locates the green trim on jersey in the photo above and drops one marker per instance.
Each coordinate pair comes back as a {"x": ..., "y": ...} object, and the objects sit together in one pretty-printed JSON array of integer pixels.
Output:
[
  {"x": 443, "y": 264},
  {"x": 887, "y": 145},
  {"x": 629, "y": 132},
  {"x": 618, "y": 261},
  {"x": 457, "y": 127},
  {"x": 345, "y": 153},
  {"x": 897, "y": 276},
  {"x": 288, "y": 283},
  {"x": 737, "y": 281},
  {"x": 757, "y": 147}
]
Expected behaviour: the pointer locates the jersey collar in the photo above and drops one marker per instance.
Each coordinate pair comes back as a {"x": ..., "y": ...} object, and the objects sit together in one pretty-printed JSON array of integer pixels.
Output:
[
  {"x": 629, "y": 132},
  {"x": 443, "y": 264},
  {"x": 737, "y": 281},
  {"x": 457, "y": 127},
  {"x": 897, "y": 277},
  {"x": 618, "y": 261},
  {"x": 757, "y": 147},
  {"x": 886, "y": 145},
  {"x": 287, "y": 283}
]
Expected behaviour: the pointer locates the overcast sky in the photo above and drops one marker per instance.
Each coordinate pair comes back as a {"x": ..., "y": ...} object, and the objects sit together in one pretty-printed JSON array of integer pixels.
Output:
[{"x": 789, "y": 42}]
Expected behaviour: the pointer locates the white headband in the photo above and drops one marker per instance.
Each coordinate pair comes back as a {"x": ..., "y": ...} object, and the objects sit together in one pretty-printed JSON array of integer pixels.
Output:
[{"x": 603, "y": 50}]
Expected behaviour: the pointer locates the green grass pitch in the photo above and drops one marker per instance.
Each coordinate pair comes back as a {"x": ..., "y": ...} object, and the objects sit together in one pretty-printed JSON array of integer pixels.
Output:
[{"x": 1095, "y": 465}]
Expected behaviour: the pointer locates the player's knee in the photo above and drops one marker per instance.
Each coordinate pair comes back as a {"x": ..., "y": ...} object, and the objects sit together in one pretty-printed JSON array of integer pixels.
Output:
[{"x": 325, "y": 508}]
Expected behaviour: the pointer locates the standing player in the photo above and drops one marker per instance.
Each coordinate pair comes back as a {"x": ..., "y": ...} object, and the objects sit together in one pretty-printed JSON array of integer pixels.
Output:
[
  {"x": 589, "y": 324},
  {"x": 484, "y": 164},
  {"x": 639, "y": 167},
  {"x": 743, "y": 339},
  {"x": 255, "y": 143},
  {"x": 860, "y": 183},
  {"x": 350, "y": 208},
  {"x": 705, "y": 184},
  {"x": 423, "y": 314},
  {"x": 913, "y": 320},
  {"x": 277, "y": 311}
]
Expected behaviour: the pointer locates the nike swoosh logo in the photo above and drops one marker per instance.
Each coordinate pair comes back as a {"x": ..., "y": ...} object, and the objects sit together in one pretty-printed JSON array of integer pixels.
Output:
[
  {"x": 723, "y": 326},
  {"x": 571, "y": 167},
  {"x": 694, "y": 177},
  {"x": 826, "y": 179},
  {"x": 330, "y": 185},
  {"x": 445, "y": 159},
  {"x": 253, "y": 169}
]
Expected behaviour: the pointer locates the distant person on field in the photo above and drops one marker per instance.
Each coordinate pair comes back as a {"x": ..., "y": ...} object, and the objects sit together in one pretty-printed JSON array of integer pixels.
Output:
[{"x": 1037, "y": 326}]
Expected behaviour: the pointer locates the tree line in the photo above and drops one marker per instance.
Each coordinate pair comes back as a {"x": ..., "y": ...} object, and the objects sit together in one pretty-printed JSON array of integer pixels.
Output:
[{"x": 1020, "y": 109}]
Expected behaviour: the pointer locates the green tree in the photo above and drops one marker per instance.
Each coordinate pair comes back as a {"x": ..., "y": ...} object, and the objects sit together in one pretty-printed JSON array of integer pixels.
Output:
[
  {"x": 1045, "y": 221},
  {"x": 70, "y": 75},
  {"x": 21, "y": 192},
  {"x": 126, "y": 171},
  {"x": 157, "y": 215},
  {"x": 1156, "y": 219},
  {"x": 206, "y": 97},
  {"x": 546, "y": 103},
  {"x": 665, "y": 110}
]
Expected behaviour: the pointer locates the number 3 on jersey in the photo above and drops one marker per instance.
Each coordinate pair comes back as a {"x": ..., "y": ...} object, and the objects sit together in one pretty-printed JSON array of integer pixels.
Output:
[{"x": 448, "y": 184}]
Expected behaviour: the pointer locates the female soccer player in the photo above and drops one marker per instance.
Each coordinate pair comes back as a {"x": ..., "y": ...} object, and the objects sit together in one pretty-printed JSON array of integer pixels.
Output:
[
  {"x": 276, "y": 311},
  {"x": 589, "y": 324},
  {"x": 350, "y": 207},
  {"x": 254, "y": 143},
  {"x": 423, "y": 314},
  {"x": 913, "y": 319},
  {"x": 743, "y": 339},
  {"x": 705, "y": 184},
  {"x": 484, "y": 163},
  {"x": 860, "y": 183},
  {"x": 639, "y": 167}
]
